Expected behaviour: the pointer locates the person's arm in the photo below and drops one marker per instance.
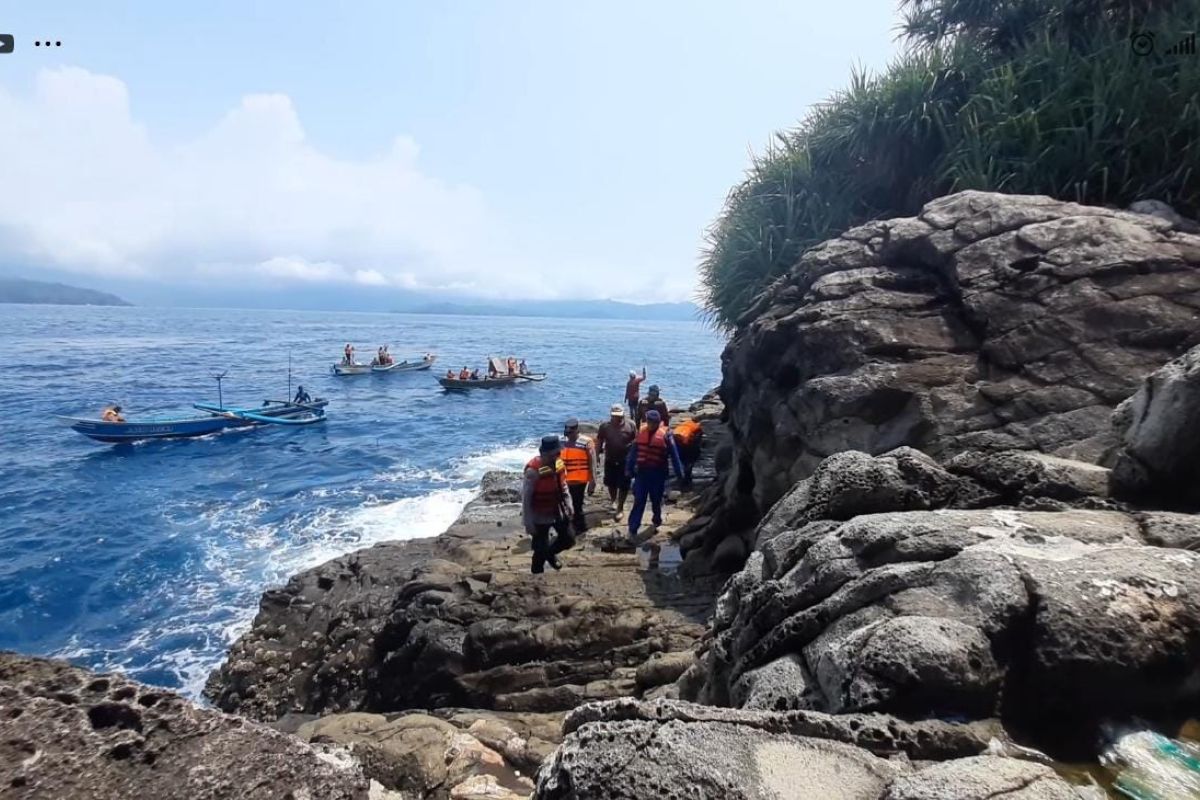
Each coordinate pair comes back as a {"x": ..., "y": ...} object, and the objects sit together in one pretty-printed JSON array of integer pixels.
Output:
[
  {"x": 631, "y": 459},
  {"x": 600, "y": 437},
  {"x": 593, "y": 472},
  {"x": 527, "y": 487}
]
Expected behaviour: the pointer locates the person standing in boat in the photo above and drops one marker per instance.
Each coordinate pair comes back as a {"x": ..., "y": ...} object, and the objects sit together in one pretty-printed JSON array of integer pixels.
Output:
[
  {"x": 579, "y": 456},
  {"x": 544, "y": 501},
  {"x": 348, "y": 354},
  {"x": 464, "y": 374},
  {"x": 521, "y": 368},
  {"x": 301, "y": 396}
]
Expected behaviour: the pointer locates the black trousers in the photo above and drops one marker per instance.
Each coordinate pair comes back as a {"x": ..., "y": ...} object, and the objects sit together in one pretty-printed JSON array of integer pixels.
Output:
[
  {"x": 578, "y": 520},
  {"x": 543, "y": 548}
]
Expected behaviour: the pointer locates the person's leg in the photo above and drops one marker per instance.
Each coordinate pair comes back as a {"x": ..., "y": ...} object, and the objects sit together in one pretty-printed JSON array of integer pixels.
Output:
[
  {"x": 658, "y": 485},
  {"x": 564, "y": 539},
  {"x": 639, "y": 505},
  {"x": 541, "y": 548},
  {"x": 613, "y": 472},
  {"x": 577, "y": 518}
]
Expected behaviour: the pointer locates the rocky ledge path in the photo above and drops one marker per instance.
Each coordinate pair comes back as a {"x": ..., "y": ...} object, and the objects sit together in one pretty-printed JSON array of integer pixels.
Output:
[{"x": 486, "y": 657}]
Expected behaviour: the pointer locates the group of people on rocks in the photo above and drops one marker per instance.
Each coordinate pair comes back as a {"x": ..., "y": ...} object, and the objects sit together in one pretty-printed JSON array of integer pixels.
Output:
[{"x": 637, "y": 455}]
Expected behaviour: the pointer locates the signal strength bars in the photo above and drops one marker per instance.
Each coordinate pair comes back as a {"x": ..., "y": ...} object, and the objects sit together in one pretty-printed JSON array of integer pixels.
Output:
[{"x": 1185, "y": 47}]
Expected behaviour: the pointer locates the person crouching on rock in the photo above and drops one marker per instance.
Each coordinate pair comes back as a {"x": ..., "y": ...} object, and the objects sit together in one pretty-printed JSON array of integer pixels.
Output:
[
  {"x": 689, "y": 438},
  {"x": 648, "y": 463},
  {"x": 545, "y": 504}
]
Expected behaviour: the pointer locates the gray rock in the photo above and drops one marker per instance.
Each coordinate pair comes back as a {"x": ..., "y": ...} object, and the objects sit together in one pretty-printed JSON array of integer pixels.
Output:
[
  {"x": 716, "y": 761},
  {"x": 1158, "y": 208},
  {"x": 982, "y": 778},
  {"x": 1159, "y": 427},
  {"x": 68, "y": 734},
  {"x": 992, "y": 322},
  {"x": 1064, "y": 616}
]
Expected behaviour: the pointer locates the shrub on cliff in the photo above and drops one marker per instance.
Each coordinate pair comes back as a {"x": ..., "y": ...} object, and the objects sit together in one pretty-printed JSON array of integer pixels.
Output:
[{"x": 1032, "y": 96}]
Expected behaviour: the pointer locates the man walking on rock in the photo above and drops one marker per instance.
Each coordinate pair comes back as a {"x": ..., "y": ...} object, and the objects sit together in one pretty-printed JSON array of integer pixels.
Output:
[
  {"x": 648, "y": 463},
  {"x": 613, "y": 439},
  {"x": 652, "y": 401},
  {"x": 579, "y": 457},
  {"x": 544, "y": 500}
]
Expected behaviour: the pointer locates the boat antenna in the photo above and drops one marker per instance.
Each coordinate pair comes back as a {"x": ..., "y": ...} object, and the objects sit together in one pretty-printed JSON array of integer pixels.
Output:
[
  {"x": 220, "y": 395},
  {"x": 288, "y": 396}
]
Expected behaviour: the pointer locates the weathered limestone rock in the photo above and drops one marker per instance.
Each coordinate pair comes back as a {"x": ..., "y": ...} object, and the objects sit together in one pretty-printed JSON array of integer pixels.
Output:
[
  {"x": 989, "y": 322},
  {"x": 1066, "y": 616},
  {"x": 624, "y": 749},
  {"x": 1159, "y": 429},
  {"x": 67, "y": 734},
  {"x": 422, "y": 756}
]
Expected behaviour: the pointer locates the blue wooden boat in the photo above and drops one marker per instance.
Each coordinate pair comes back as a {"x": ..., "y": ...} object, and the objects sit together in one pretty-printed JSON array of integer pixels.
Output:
[{"x": 117, "y": 432}]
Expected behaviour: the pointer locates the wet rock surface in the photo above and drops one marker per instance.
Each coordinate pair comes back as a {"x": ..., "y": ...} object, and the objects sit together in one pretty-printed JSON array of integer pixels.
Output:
[
  {"x": 987, "y": 322},
  {"x": 69, "y": 733}
]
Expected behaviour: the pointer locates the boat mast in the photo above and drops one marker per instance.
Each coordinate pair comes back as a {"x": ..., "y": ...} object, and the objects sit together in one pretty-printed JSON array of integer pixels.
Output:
[
  {"x": 288, "y": 396},
  {"x": 220, "y": 394}
]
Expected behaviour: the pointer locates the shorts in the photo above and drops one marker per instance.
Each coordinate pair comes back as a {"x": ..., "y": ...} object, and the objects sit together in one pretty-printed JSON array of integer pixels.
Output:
[{"x": 614, "y": 475}]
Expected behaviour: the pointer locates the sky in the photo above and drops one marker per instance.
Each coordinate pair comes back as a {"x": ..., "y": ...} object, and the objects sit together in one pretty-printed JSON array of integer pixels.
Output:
[{"x": 507, "y": 149}]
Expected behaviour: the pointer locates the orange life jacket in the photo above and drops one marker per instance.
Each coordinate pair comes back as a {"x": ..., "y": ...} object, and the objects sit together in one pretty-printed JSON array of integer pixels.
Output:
[
  {"x": 577, "y": 456},
  {"x": 687, "y": 431},
  {"x": 547, "y": 492},
  {"x": 652, "y": 450}
]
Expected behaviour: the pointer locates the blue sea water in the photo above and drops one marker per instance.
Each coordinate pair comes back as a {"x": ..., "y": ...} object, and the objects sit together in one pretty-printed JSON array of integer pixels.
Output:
[{"x": 150, "y": 558}]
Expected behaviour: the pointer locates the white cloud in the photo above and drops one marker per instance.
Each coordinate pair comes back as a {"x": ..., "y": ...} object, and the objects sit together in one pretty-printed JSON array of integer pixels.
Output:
[{"x": 85, "y": 187}]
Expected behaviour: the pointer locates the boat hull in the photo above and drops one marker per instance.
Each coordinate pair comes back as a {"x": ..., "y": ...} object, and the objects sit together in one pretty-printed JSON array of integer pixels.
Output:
[
  {"x": 117, "y": 432},
  {"x": 350, "y": 369},
  {"x": 405, "y": 366},
  {"x": 456, "y": 385}
]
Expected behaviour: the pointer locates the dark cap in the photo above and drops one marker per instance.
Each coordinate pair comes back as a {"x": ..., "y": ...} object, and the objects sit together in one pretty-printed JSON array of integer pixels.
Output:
[
  {"x": 653, "y": 389},
  {"x": 571, "y": 423},
  {"x": 549, "y": 444},
  {"x": 653, "y": 416}
]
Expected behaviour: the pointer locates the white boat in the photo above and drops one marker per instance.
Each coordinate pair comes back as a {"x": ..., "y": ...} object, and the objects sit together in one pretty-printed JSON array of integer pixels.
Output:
[
  {"x": 342, "y": 368},
  {"x": 405, "y": 366}
]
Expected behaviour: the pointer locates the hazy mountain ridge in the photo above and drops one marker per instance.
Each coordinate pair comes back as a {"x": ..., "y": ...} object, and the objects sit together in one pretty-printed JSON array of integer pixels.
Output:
[
  {"x": 584, "y": 309},
  {"x": 20, "y": 290}
]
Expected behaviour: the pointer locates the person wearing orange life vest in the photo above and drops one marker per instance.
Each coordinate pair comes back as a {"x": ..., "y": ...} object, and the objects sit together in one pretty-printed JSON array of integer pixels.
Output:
[
  {"x": 579, "y": 456},
  {"x": 689, "y": 438},
  {"x": 650, "y": 457},
  {"x": 544, "y": 505}
]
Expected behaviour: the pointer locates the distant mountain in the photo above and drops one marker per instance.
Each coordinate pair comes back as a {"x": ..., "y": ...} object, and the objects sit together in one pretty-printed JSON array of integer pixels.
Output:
[
  {"x": 583, "y": 309},
  {"x": 19, "y": 290}
]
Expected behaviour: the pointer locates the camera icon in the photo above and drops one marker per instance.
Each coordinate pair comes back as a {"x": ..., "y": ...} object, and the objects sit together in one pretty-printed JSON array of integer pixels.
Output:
[{"x": 1142, "y": 43}]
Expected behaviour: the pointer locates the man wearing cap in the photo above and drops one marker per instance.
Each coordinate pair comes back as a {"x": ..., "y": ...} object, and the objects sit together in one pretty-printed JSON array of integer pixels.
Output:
[
  {"x": 648, "y": 463},
  {"x": 652, "y": 401},
  {"x": 613, "y": 439},
  {"x": 633, "y": 390},
  {"x": 544, "y": 502},
  {"x": 579, "y": 457}
]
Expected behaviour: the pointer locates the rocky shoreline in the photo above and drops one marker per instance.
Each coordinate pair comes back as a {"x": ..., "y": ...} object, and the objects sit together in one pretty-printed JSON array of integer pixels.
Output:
[{"x": 944, "y": 537}]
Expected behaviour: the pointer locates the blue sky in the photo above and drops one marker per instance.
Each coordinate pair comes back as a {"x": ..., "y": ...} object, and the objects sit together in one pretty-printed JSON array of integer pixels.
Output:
[{"x": 555, "y": 149}]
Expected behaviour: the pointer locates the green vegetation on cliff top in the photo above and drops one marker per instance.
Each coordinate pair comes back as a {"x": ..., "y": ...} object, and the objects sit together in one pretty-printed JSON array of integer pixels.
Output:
[{"x": 1027, "y": 96}]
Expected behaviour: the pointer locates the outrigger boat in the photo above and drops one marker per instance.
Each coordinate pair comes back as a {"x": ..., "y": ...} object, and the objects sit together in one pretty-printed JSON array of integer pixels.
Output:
[
  {"x": 271, "y": 412},
  {"x": 503, "y": 379}
]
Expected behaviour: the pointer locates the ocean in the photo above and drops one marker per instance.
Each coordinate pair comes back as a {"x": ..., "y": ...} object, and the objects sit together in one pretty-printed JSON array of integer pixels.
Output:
[{"x": 151, "y": 558}]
